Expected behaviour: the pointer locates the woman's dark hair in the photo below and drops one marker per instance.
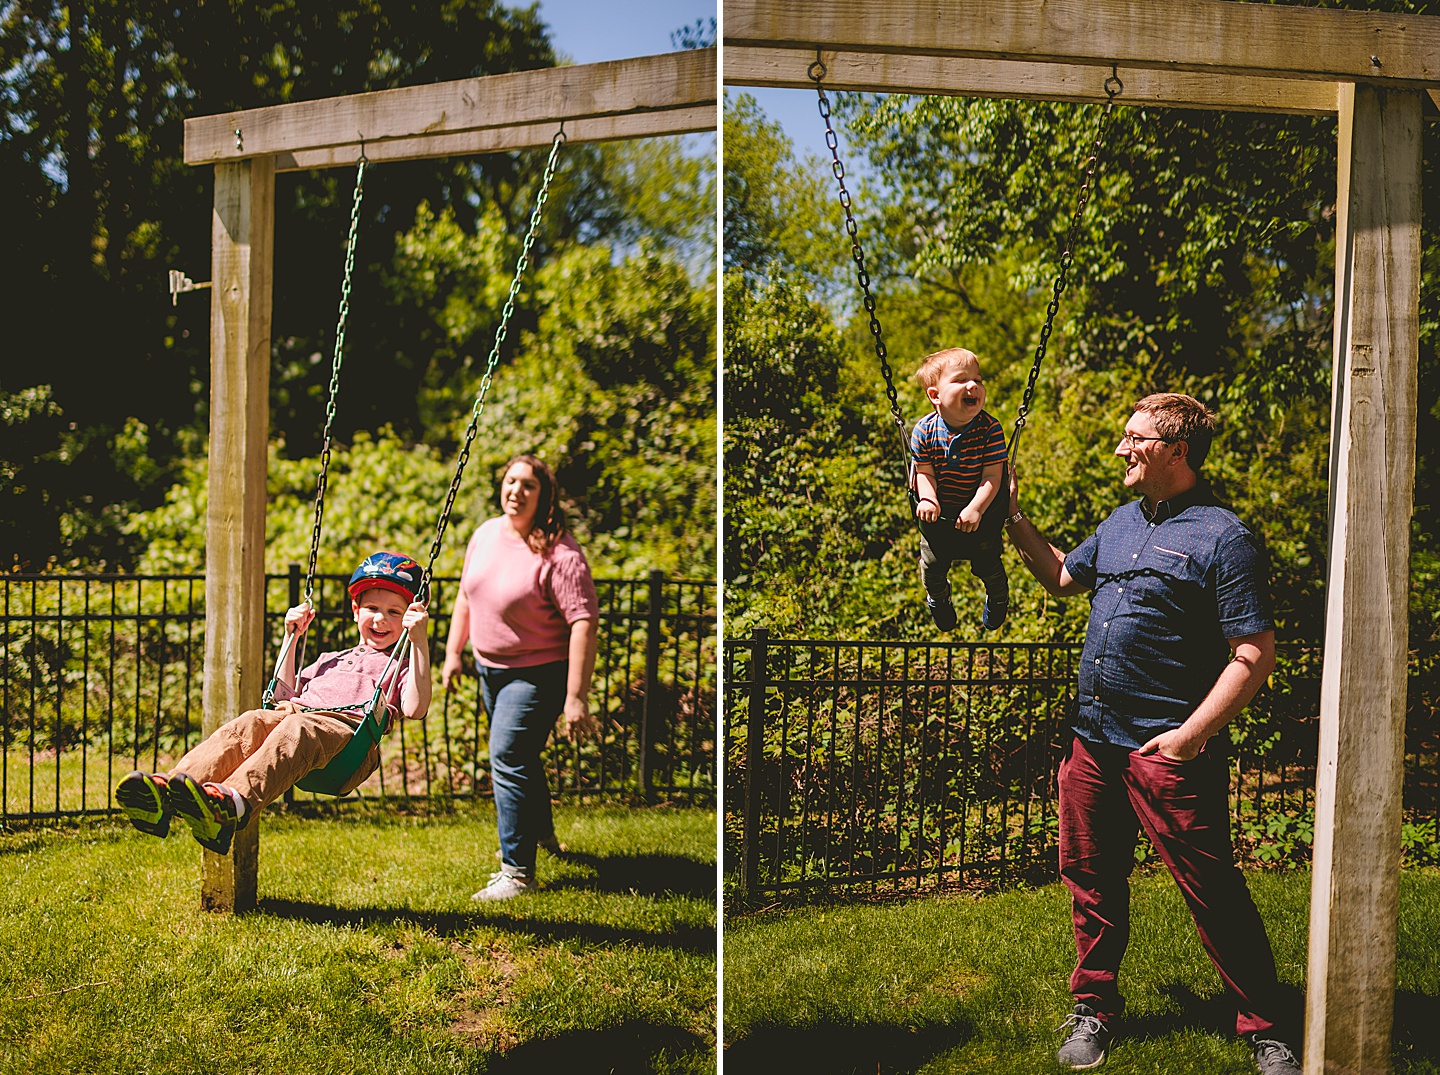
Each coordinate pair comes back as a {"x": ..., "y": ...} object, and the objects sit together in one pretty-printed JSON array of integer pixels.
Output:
[{"x": 549, "y": 524}]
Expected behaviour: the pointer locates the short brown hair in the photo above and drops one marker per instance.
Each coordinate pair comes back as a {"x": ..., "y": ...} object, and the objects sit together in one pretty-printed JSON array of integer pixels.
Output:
[
  {"x": 934, "y": 366},
  {"x": 1180, "y": 417}
]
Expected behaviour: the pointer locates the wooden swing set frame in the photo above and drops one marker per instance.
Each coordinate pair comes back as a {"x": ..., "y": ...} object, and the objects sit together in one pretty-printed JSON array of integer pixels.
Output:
[
  {"x": 1379, "y": 76},
  {"x": 668, "y": 94}
]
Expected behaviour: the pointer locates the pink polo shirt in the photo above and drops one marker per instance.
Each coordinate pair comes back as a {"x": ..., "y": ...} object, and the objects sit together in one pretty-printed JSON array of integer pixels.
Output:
[
  {"x": 521, "y": 603},
  {"x": 345, "y": 677}
]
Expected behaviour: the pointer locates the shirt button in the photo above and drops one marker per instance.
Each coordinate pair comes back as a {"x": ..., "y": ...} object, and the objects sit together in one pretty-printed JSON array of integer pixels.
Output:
[
  {"x": 1097, "y": 660},
  {"x": 1134, "y": 556}
]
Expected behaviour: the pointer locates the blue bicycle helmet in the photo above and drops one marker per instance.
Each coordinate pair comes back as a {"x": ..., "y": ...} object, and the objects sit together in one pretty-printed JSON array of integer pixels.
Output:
[{"x": 386, "y": 571}]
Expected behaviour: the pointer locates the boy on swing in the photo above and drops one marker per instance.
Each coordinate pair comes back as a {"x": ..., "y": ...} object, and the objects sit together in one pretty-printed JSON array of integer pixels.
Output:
[
  {"x": 250, "y": 761},
  {"x": 958, "y": 452}
]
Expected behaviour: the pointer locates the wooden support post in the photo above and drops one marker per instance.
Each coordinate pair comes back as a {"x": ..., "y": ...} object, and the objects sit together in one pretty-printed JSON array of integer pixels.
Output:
[
  {"x": 1354, "y": 894},
  {"x": 242, "y": 231}
]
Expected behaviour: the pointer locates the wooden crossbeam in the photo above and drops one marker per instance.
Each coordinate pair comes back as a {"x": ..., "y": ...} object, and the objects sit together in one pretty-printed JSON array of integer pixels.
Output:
[
  {"x": 503, "y": 139},
  {"x": 643, "y": 91},
  {"x": 970, "y": 77},
  {"x": 1209, "y": 36}
]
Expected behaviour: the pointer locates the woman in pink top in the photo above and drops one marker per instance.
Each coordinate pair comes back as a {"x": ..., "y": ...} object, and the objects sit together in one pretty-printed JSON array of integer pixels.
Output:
[{"x": 527, "y": 606}]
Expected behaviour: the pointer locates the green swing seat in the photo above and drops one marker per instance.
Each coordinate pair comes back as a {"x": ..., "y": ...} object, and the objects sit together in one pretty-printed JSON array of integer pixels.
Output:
[{"x": 334, "y": 776}]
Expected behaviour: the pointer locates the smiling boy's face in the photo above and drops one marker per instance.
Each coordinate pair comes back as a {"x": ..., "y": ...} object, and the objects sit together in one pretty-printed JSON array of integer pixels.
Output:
[
  {"x": 960, "y": 392},
  {"x": 378, "y": 614}
]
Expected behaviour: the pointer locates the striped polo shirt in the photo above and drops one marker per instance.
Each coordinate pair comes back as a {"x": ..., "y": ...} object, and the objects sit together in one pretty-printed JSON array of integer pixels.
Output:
[{"x": 958, "y": 456}]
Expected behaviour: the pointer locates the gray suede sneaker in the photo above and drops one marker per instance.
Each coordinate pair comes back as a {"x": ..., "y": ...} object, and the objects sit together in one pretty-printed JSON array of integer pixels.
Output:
[
  {"x": 1274, "y": 1057},
  {"x": 1084, "y": 1046}
]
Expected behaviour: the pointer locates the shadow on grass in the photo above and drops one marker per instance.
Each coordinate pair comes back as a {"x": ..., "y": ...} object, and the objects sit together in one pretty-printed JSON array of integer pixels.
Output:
[
  {"x": 1214, "y": 1015},
  {"x": 695, "y": 939},
  {"x": 838, "y": 1049},
  {"x": 641, "y": 875},
  {"x": 630, "y": 1047},
  {"x": 1414, "y": 1035}
]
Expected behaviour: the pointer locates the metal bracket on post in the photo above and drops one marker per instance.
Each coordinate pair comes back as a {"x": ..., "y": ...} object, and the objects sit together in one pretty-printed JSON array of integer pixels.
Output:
[{"x": 179, "y": 282}]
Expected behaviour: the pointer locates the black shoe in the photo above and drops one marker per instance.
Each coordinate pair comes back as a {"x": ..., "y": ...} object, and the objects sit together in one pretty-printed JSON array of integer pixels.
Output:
[
  {"x": 1274, "y": 1057},
  {"x": 1084, "y": 1046},
  {"x": 942, "y": 612},
  {"x": 143, "y": 801},
  {"x": 996, "y": 609}
]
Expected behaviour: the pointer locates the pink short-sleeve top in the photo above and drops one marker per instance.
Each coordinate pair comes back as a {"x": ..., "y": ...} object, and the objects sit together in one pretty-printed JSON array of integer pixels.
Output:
[
  {"x": 346, "y": 677},
  {"x": 522, "y": 604}
]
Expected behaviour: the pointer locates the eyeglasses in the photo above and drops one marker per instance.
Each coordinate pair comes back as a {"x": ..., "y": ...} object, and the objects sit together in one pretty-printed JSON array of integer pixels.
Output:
[{"x": 1131, "y": 440}]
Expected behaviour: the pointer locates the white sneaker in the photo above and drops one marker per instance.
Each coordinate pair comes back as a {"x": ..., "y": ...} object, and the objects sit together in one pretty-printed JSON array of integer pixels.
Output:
[{"x": 504, "y": 886}]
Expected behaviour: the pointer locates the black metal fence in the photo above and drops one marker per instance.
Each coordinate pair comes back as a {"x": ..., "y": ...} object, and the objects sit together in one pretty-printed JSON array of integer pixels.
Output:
[
  {"x": 101, "y": 674},
  {"x": 895, "y": 765}
]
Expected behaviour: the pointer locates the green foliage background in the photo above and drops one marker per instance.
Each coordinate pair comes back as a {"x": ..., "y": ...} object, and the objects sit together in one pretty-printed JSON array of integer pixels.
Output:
[
  {"x": 1205, "y": 265},
  {"x": 608, "y": 369}
]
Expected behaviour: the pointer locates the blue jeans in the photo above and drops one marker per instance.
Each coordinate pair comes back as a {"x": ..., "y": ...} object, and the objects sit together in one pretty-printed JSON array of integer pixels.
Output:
[{"x": 523, "y": 704}]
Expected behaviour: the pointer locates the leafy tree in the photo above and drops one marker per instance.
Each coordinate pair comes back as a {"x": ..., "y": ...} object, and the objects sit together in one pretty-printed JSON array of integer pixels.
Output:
[
  {"x": 108, "y": 409},
  {"x": 775, "y": 212},
  {"x": 613, "y": 387}
]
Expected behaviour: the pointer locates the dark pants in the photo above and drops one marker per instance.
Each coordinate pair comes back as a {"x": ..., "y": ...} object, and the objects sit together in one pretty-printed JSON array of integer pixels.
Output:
[
  {"x": 523, "y": 704},
  {"x": 1107, "y": 794},
  {"x": 941, "y": 545}
]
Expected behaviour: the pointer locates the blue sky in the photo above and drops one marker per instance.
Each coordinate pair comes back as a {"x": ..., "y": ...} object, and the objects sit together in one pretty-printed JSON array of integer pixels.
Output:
[
  {"x": 798, "y": 114},
  {"x": 589, "y": 31}
]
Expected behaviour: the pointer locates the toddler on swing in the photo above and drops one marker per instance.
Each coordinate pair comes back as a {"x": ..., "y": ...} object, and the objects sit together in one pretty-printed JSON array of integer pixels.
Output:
[
  {"x": 250, "y": 761},
  {"x": 958, "y": 453}
]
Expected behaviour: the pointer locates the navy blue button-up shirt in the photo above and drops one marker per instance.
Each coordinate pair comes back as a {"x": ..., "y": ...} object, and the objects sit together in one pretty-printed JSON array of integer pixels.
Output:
[{"x": 1168, "y": 590}]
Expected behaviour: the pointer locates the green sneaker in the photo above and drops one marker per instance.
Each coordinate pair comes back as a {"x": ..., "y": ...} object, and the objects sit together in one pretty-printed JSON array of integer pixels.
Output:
[
  {"x": 144, "y": 802},
  {"x": 209, "y": 809}
]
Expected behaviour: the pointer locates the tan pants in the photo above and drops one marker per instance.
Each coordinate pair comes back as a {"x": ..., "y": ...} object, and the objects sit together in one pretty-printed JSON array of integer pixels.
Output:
[{"x": 263, "y": 752}]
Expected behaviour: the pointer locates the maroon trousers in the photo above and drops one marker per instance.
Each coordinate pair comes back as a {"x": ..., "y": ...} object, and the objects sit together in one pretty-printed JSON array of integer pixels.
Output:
[{"x": 1107, "y": 794}]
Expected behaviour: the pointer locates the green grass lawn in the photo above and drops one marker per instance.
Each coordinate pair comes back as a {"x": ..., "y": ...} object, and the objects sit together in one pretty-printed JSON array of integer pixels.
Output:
[
  {"x": 366, "y": 953},
  {"x": 963, "y": 983}
]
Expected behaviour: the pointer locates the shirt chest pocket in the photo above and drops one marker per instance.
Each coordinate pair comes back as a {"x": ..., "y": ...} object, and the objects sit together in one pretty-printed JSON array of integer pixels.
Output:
[{"x": 1165, "y": 576}]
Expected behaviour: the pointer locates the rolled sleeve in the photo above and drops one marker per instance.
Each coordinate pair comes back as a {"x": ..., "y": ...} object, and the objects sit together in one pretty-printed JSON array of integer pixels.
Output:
[
  {"x": 572, "y": 589},
  {"x": 1242, "y": 586},
  {"x": 1081, "y": 562}
]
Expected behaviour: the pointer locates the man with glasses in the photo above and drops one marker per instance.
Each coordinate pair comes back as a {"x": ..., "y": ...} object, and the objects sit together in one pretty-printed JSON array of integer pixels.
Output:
[{"x": 1179, "y": 640}]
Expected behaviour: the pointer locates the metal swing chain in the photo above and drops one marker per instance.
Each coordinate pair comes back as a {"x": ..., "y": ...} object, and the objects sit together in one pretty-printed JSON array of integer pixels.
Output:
[
  {"x": 494, "y": 359},
  {"x": 1113, "y": 88},
  {"x": 817, "y": 72},
  {"x": 267, "y": 700},
  {"x": 321, "y": 480}
]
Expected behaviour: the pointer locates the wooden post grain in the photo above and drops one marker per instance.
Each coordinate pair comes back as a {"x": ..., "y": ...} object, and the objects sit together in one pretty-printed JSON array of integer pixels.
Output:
[
  {"x": 242, "y": 231},
  {"x": 1354, "y": 893}
]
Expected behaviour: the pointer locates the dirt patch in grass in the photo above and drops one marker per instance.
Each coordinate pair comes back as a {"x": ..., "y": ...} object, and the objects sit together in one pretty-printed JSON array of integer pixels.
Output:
[{"x": 480, "y": 1009}]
